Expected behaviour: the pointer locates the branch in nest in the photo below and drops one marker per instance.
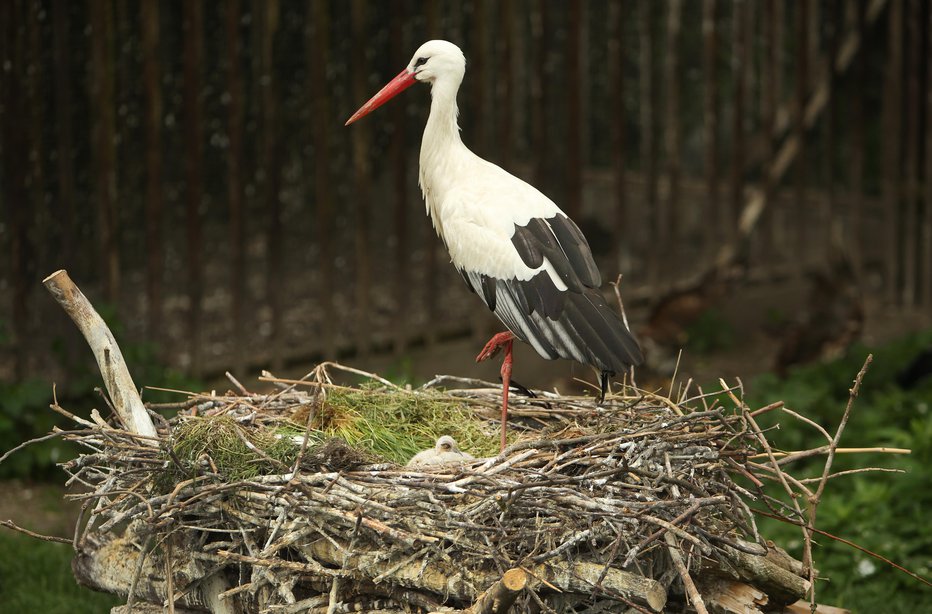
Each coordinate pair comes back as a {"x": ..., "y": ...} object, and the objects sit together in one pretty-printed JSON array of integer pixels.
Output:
[{"x": 501, "y": 595}]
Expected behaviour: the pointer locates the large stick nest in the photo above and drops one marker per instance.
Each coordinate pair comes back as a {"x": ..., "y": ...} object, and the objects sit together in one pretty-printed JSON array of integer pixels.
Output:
[{"x": 594, "y": 503}]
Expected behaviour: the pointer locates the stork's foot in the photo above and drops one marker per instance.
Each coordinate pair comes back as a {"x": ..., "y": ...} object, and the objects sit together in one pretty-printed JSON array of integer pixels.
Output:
[{"x": 495, "y": 345}]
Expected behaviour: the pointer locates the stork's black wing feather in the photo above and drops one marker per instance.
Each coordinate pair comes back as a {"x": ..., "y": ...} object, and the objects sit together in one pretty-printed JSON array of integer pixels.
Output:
[{"x": 575, "y": 322}]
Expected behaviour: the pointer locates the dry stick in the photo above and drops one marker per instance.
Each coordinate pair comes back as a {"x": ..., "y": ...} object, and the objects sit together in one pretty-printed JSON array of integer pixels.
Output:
[
  {"x": 116, "y": 376},
  {"x": 807, "y": 536},
  {"x": 688, "y": 583},
  {"x": 49, "y": 538},
  {"x": 787, "y": 457},
  {"x": 815, "y": 499}
]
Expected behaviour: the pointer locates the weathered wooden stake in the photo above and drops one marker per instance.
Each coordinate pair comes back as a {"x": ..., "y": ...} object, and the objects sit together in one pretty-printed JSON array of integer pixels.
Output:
[{"x": 119, "y": 383}]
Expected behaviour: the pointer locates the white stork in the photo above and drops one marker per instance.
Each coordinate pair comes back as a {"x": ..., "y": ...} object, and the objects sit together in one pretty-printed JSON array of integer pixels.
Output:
[{"x": 526, "y": 260}]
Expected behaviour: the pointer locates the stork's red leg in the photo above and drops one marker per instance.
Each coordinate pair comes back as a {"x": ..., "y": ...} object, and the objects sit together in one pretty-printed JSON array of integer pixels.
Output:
[
  {"x": 506, "y": 385},
  {"x": 501, "y": 341}
]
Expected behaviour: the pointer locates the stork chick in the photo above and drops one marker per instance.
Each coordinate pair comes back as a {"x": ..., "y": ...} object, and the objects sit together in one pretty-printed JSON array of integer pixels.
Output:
[{"x": 444, "y": 452}]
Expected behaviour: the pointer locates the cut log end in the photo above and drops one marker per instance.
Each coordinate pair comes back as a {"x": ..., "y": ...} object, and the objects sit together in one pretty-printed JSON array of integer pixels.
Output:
[{"x": 54, "y": 275}]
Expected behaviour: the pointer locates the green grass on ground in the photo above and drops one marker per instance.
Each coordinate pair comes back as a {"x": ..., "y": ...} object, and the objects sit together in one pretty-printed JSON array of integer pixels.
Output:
[{"x": 35, "y": 576}]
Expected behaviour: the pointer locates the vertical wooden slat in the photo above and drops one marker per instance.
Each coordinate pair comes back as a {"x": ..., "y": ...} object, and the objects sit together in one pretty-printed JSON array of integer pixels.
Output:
[
  {"x": 858, "y": 146},
  {"x": 892, "y": 103},
  {"x": 802, "y": 220},
  {"x": 101, "y": 101},
  {"x": 399, "y": 156},
  {"x": 193, "y": 31},
  {"x": 41, "y": 214},
  {"x": 739, "y": 63},
  {"x": 62, "y": 54},
  {"x": 574, "y": 119},
  {"x": 831, "y": 216},
  {"x": 267, "y": 11},
  {"x": 713, "y": 221},
  {"x": 911, "y": 163},
  {"x": 768, "y": 105},
  {"x": 362, "y": 195},
  {"x": 779, "y": 55},
  {"x": 540, "y": 138},
  {"x": 152, "y": 74},
  {"x": 618, "y": 14},
  {"x": 506, "y": 53},
  {"x": 926, "y": 259},
  {"x": 781, "y": 212},
  {"x": 15, "y": 169},
  {"x": 648, "y": 145},
  {"x": 431, "y": 242},
  {"x": 319, "y": 93},
  {"x": 234, "y": 160},
  {"x": 672, "y": 137},
  {"x": 478, "y": 69}
]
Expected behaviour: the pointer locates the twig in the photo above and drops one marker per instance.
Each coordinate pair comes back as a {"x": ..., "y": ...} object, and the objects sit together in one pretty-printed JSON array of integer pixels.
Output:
[
  {"x": 49, "y": 538},
  {"x": 815, "y": 499},
  {"x": 788, "y": 457},
  {"x": 688, "y": 583}
]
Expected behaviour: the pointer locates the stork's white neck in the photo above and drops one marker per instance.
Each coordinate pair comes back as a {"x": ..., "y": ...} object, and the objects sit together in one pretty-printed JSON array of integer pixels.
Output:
[{"x": 442, "y": 149}]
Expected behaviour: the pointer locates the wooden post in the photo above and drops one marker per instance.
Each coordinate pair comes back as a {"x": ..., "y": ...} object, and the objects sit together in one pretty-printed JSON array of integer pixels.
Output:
[
  {"x": 119, "y": 383},
  {"x": 235, "y": 114},
  {"x": 101, "y": 102},
  {"x": 193, "y": 29},
  {"x": 318, "y": 51},
  {"x": 152, "y": 76}
]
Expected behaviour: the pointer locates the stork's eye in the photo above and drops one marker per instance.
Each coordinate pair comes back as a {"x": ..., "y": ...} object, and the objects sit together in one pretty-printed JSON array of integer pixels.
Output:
[{"x": 420, "y": 62}]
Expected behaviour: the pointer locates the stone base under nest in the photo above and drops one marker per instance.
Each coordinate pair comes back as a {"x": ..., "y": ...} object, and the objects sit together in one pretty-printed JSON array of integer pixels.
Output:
[{"x": 631, "y": 505}]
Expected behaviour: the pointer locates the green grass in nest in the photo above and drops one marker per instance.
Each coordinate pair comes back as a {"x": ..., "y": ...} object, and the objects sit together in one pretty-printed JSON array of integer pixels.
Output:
[
  {"x": 397, "y": 425},
  {"x": 224, "y": 441}
]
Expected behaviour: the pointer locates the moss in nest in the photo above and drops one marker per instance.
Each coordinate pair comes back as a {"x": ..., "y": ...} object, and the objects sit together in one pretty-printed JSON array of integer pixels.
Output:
[
  {"x": 236, "y": 453},
  {"x": 397, "y": 425}
]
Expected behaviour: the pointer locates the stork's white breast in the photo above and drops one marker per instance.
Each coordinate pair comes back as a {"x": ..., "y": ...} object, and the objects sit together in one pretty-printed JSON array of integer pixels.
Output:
[{"x": 478, "y": 213}]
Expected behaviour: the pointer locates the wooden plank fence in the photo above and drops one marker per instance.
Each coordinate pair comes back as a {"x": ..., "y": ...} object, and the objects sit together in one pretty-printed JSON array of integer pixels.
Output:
[{"x": 187, "y": 162}]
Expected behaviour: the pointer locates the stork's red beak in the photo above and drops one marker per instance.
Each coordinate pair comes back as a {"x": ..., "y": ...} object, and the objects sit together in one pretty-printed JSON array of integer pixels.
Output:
[{"x": 403, "y": 81}]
